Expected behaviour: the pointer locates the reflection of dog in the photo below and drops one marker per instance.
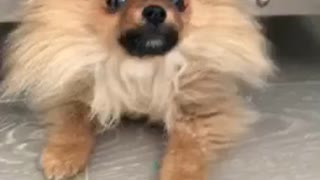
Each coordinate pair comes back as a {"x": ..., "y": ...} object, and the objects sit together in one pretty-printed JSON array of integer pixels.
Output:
[{"x": 86, "y": 62}]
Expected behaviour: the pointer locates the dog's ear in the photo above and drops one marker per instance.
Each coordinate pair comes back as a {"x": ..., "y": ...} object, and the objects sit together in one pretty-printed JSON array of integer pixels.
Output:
[{"x": 229, "y": 38}]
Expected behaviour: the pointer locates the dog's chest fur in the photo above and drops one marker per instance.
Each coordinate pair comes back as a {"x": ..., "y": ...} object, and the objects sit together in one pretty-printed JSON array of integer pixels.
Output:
[{"x": 134, "y": 86}]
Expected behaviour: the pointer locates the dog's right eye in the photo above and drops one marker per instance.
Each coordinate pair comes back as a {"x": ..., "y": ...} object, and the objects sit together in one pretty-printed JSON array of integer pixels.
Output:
[
  {"x": 114, "y": 5},
  {"x": 180, "y": 4}
]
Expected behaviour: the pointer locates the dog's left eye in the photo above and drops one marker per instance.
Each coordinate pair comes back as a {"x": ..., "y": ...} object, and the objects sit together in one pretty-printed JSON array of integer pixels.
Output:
[
  {"x": 114, "y": 5},
  {"x": 180, "y": 4}
]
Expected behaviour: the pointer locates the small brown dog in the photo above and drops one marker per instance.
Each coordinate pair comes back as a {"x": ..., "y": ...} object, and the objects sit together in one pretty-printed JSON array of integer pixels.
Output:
[{"x": 84, "y": 63}]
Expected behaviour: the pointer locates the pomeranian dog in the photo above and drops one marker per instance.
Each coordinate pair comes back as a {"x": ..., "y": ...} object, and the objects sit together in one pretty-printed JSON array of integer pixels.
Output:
[{"x": 85, "y": 63}]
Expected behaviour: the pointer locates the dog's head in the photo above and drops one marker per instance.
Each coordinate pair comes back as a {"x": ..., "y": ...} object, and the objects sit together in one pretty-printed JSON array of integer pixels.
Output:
[
  {"x": 142, "y": 28},
  {"x": 147, "y": 28}
]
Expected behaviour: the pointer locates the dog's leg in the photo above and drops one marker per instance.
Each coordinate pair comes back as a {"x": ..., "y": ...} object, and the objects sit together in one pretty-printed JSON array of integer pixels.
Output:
[
  {"x": 206, "y": 118},
  {"x": 70, "y": 141},
  {"x": 191, "y": 146}
]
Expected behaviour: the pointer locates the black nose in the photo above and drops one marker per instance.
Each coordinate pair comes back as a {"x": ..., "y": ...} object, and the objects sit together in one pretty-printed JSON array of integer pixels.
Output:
[{"x": 154, "y": 14}]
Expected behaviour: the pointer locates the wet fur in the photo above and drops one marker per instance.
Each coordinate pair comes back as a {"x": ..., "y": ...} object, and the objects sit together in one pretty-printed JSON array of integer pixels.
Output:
[{"x": 65, "y": 52}]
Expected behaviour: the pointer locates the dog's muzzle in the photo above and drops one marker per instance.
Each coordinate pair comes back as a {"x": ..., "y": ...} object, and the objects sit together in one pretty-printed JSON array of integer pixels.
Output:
[{"x": 153, "y": 38}]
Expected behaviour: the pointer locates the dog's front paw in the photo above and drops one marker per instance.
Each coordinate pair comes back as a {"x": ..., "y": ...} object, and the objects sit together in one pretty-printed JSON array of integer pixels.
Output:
[{"x": 63, "y": 161}]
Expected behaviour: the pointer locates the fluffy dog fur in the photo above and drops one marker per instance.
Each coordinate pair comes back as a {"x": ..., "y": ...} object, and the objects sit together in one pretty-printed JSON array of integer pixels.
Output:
[{"x": 64, "y": 55}]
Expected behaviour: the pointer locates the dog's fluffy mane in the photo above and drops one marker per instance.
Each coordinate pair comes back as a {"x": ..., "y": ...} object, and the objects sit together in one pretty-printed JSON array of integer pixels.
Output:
[{"x": 53, "y": 58}]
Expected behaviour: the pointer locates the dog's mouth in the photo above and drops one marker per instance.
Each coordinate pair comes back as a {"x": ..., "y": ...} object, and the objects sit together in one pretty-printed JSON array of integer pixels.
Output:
[{"x": 149, "y": 40}]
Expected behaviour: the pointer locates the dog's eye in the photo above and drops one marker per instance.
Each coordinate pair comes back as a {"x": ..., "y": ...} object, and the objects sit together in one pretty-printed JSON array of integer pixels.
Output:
[
  {"x": 180, "y": 4},
  {"x": 114, "y": 5}
]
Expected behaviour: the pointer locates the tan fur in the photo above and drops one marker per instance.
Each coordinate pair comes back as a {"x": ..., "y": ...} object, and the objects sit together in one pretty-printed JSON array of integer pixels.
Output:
[
  {"x": 71, "y": 138},
  {"x": 202, "y": 124},
  {"x": 65, "y": 51}
]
